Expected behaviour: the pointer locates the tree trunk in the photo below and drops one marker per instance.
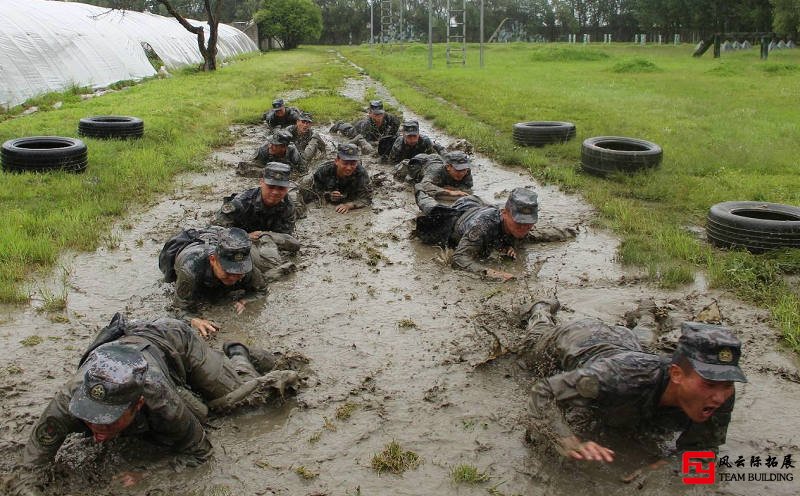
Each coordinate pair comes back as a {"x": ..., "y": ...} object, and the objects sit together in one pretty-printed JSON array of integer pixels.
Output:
[{"x": 208, "y": 51}]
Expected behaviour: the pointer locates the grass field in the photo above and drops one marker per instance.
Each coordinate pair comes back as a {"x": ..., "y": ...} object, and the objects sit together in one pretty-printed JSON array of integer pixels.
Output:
[
  {"x": 728, "y": 127},
  {"x": 185, "y": 117}
]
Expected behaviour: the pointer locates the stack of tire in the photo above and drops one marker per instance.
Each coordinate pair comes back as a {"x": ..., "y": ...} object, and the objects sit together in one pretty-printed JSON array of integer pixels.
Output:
[
  {"x": 541, "y": 133},
  {"x": 44, "y": 154},
  {"x": 604, "y": 155},
  {"x": 111, "y": 126},
  {"x": 755, "y": 226}
]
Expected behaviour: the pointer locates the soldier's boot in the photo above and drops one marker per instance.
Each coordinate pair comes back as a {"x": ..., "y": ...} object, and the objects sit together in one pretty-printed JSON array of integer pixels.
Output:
[
  {"x": 261, "y": 360},
  {"x": 540, "y": 319},
  {"x": 646, "y": 326}
]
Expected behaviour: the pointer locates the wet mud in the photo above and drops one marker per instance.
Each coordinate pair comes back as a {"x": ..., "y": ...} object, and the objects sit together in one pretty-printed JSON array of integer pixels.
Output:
[{"x": 401, "y": 348}]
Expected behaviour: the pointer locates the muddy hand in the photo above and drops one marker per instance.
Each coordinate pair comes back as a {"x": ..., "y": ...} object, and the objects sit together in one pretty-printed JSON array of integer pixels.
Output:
[
  {"x": 344, "y": 208},
  {"x": 239, "y": 305},
  {"x": 129, "y": 479},
  {"x": 255, "y": 235},
  {"x": 509, "y": 252},
  {"x": 455, "y": 192},
  {"x": 336, "y": 196},
  {"x": 586, "y": 451},
  {"x": 499, "y": 275},
  {"x": 205, "y": 327}
]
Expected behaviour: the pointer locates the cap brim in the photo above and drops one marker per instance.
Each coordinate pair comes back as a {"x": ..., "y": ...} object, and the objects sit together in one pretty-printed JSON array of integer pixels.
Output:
[
  {"x": 344, "y": 156},
  {"x": 232, "y": 267},
  {"x": 275, "y": 182},
  {"x": 460, "y": 167},
  {"x": 524, "y": 218},
  {"x": 377, "y": 111},
  {"x": 88, "y": 410},
  {"x": 715, "y": 372}
]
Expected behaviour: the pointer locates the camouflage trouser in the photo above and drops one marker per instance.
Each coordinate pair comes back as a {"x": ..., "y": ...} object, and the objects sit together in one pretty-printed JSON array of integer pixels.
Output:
[
  {"x": 548, "y": 348},
  {"x": 425, "y": 202},
  {"x": 189, "y": 360},
  {"x": 266, "y": 253}
]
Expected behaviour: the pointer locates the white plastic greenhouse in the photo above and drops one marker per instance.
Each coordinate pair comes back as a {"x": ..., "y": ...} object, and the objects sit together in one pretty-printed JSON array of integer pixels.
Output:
[{"x": 50, "y": 46}]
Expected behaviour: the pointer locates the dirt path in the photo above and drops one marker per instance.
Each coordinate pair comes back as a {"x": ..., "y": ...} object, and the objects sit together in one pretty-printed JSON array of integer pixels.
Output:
[{"x": 389, "y": 330}]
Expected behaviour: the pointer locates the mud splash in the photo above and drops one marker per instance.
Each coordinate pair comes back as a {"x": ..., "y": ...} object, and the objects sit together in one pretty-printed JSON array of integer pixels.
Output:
[{"x": 393, "y": 337}]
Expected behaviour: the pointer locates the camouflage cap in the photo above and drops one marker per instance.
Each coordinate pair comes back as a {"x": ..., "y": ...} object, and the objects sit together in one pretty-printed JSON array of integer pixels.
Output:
[
  {"x": 306, "y": 116},
  {"x": 713, "y": 351},
  {"x": 458, "y": 159},
  {"x": 411, "y": 127},
  {"x": 233, "y": 251},
  {"x": 376, "y": 107},
  {"x": 347, "y": 151},
  {"x": 114, "y": 380},
  {"x": 277, "y": 103},
  {"x": 280, "y": 137},
  {"x": 523, "y": 205},
  {"x": 277, "y": 174}
]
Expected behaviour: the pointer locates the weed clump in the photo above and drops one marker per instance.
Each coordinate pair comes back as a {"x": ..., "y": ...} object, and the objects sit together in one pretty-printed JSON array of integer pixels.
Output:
[
  {"x": 31, "y": 341},
  {"x": 779, "y": 68},
  {"x": 393, "y": 459},
  {"x": 305, "y": 473},
  {"x": 345, "y": 411},
  {"x": 635, "y": 65},
  {"x": 406, "y": 324},
  {"x": 468, "y": 474},
  {"x": 558, "y": 54}
]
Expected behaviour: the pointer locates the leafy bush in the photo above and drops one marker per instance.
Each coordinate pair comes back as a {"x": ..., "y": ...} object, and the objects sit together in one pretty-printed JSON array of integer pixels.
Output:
[{"x": 291, "y": 21}]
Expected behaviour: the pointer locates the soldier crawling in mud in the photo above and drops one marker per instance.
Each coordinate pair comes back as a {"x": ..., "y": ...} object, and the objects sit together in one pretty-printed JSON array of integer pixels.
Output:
[
  {"x": 378, "y": 124},
  {"x": 476, "y": 229},
  {"x": 446, "y": 179},
  {"x": 349, "y": 131},
  {"x": 140, "y": 378},
  {"x": 210, "y": 264},
  {"x": 268, "y": 216},
  {"x": 280, "y": 115},
  {"x": 343, "y": 181},
  {"x": 306, "y": 140},
  {"x": 605, "y": 370},
  {"x": 279, "y": 148},
  {"x": 411, "y": 143}
]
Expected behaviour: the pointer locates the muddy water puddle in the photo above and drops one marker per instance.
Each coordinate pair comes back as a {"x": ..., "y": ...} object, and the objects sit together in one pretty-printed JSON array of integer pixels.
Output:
[{"x": 393, "y": 339}]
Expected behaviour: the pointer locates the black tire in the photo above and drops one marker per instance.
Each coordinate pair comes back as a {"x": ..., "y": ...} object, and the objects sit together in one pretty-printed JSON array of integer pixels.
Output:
[
  {"x": 540, "y": 133},
  {"x": 111, "y": 126},
  {"x": 603, "y": 155},
  {"x": 44, "y": 154},
  {"x": 755, "y": 226}
]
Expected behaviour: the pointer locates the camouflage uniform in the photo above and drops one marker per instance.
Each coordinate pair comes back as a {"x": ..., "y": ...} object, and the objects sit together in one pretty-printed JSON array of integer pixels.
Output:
[
  {"x": 289, "y": 118},
  {"x": 292, "y": 158},
  {"x": 472, "y": 227},
  {"x": 246, "y": 211},
  {"x": 196, "y": 281},
  {"x": 176, "y": 359},
  {"x": 309, "y": 145},
  {"x": 436, "y": 179},
  {"x": 372, "y": 133},
  {"x": 402, "y": 151},
  {"x": 355, "y": 188},
  {"x": 605, "y": 370}
]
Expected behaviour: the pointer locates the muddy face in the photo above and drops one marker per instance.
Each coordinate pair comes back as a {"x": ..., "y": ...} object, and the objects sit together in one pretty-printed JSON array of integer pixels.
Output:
[
  {"x": 512, "y": 227},
  {"x": 272, "y": 195},
  {"x": 345, "y": 168},
  {"x": 456, "y": 174},
  {"x": 411, "y": 139},
  {"x": 303, "y": 126},
  {"x": 225, "y": 278},
  {"x": 698, "y": 398},
  {"x": 277, "y": 150},
  {"x": 105, "y": 432}
]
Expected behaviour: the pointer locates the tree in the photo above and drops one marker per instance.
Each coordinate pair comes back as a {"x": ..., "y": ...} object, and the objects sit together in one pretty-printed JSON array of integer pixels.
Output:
[
  {"x": 291, "y": 21},
  {"x": 786, "y": 18},
  {"x": 211, "y": 9}
]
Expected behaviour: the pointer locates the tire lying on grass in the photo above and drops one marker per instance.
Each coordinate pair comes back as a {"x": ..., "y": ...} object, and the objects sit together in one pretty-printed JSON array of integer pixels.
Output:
[
  {"x": 44, "y": 154},
  {"x": 603, "y": 155},
  {"x": 540, "y": 133},
  {"x": 756, "y": 226},
  {"x": 111, "y": 126}
]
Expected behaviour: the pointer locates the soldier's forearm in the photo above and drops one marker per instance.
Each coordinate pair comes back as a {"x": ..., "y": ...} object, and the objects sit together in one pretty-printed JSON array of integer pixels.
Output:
[
  {"x": 547, "y": 417},
  {"x": 464, "y": 261}
]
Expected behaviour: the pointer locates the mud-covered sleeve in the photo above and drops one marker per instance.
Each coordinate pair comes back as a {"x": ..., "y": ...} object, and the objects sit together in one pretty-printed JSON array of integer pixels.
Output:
[
  {"x": 396, "y": 153},
  {"x": 52, "y": 428},
  {"x": 362, "y": 194},
  {"x": 296, "y": 159},
  {"x": 551, "y": 395},
  {"x": 185, "y": 301},
  {"x": 470, "y": 247},
  {"x": 710, "y": 434},
  {"x": 228, "y": 214},
  {"x": 285, "y": 222},
  {"x": 255, "y": 285},
  {"x": 429, "y": 186},
  {"x": 261, "y": 155},
  {"x": 437, "y": 148},
  {"x": 173, "y": 425}
]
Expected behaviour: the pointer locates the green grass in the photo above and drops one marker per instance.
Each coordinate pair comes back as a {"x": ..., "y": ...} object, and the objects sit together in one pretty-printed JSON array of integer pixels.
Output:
[
  {"x": 185, "y": 117},
  {"x": 468, "y": 474},
  {"x": 728, "y": 128},
  {"x": 393, "y": 459}
]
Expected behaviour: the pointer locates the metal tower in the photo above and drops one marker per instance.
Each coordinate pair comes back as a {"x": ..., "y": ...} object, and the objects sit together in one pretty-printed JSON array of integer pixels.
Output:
[{"x": 387, "y": 22}]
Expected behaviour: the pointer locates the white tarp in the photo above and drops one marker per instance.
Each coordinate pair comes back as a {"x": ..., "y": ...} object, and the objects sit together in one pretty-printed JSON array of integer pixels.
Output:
[{"x": 50, "y": 46}]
